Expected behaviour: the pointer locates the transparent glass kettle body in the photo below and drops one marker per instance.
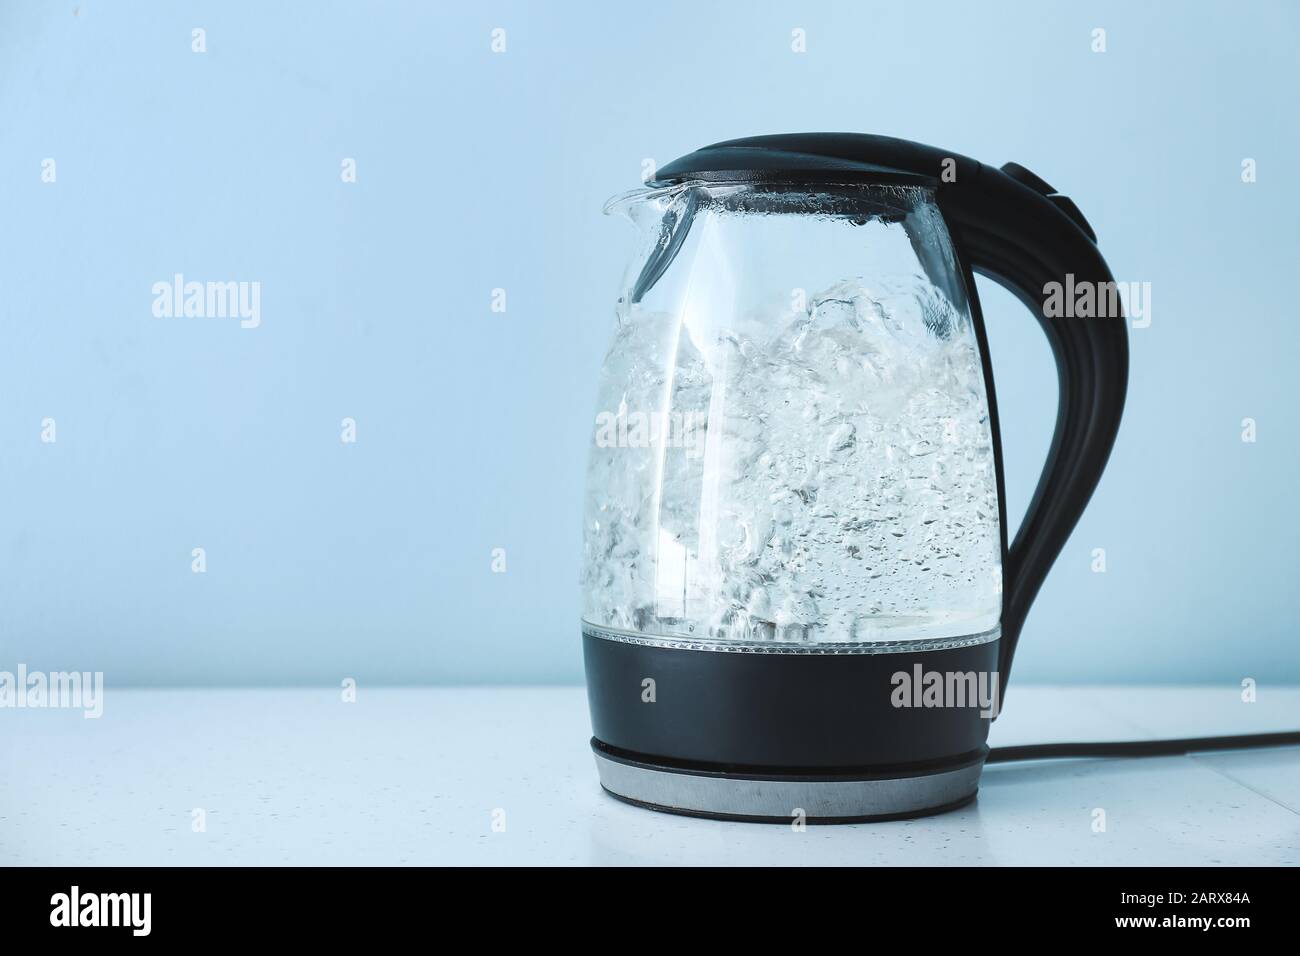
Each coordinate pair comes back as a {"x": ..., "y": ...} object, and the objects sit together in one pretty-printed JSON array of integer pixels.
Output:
[{"x": 792, "y": 446}]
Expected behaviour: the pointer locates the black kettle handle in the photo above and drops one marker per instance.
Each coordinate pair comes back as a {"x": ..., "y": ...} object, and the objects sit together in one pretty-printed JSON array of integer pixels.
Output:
[{"x": 1011, "y": 226}]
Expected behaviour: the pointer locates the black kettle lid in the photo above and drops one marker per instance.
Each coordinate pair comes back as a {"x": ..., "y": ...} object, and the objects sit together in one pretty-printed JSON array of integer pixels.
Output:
[
  {"x": 859, "y": 158},
  {"x": 814, "y": 157}
]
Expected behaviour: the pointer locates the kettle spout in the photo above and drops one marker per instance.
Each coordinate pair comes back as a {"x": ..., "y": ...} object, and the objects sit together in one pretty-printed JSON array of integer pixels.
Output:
[
  {"x": 665, "y": 212},
  {"x": 631, "y": 205}
]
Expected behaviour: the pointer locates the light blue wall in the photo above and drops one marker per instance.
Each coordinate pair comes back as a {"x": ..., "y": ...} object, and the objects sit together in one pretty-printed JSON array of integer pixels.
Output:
[{"x": 479, "y": 170}]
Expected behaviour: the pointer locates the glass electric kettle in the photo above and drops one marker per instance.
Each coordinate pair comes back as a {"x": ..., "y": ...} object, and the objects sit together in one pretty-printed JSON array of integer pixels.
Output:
[{"x": 798, "y": 597}]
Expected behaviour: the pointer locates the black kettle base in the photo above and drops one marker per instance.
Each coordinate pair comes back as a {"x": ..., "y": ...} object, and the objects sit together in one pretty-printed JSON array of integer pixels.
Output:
[{"x": 776, "y": 798}]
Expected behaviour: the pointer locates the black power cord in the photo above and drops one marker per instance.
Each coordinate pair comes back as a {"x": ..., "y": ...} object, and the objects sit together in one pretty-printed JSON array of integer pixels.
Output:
[{"x": 1142, "y": 748}]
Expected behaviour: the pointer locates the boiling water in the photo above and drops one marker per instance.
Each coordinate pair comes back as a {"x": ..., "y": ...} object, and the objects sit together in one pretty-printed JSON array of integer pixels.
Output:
[{"x": 819, "y": 474}]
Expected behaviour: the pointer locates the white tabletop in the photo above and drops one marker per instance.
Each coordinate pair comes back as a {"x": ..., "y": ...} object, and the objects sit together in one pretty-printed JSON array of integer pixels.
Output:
[{"x": 420, "y": 775}]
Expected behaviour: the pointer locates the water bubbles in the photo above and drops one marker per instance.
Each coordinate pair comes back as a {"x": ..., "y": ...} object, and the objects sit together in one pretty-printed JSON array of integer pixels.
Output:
[
  {"x": 847, "y": 492},
  {"x": 843, "y": 438}
]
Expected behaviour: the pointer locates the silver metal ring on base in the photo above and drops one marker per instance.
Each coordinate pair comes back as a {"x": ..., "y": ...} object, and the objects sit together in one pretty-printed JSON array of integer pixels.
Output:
[{"x": 736, "y": 796}]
